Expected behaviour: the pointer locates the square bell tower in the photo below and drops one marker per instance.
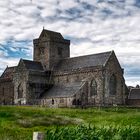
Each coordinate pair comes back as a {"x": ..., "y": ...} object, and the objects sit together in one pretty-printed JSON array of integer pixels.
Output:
[{"x": 50, "y": 48}]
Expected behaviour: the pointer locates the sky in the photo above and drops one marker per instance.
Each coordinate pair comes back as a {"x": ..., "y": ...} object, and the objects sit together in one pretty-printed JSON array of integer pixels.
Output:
[{"x": 93, "y": 26}]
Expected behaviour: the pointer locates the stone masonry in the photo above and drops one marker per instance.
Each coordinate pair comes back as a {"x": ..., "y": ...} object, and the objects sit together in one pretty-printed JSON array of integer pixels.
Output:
[{"x": 54, "y": 79}]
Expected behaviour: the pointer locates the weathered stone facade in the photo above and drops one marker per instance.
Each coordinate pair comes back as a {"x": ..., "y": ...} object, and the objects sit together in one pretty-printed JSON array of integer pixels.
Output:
[
  {"x": 54, "y": 79},
  {"x": 7, "y": 87},
  {"x": 49, "y": 48}
]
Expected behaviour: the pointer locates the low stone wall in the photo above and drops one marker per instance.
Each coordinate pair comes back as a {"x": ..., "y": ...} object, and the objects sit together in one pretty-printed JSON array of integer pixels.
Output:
[{"x": 133, "y": 102}]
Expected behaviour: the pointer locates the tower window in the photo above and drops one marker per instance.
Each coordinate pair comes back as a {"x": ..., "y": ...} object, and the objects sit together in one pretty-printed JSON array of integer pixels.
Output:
[{"x": 41, "y": 50}]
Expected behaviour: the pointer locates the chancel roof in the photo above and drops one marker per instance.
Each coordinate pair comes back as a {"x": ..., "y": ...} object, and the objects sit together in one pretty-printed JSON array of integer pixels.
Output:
[
  {"x": 74, "y": 63},
  {"x": 134, "y": 93},
  {"x": 32, "y": 65},
  {"x": 67, "y": 90}
]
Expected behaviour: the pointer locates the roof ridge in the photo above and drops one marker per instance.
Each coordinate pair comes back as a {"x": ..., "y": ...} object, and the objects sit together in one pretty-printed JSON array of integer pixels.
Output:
[
  {"x": 11, "y": 67},
  {"x": 85, "y": 61},
  {"x": 51, "y": 31},
  {"x": 31, "y": 60},
  {"x": 108, "y": 58},
  {"x": 26, "y": 60},
  {"x": 87, "y": 55},
  {"x": 51, "y": 34}
]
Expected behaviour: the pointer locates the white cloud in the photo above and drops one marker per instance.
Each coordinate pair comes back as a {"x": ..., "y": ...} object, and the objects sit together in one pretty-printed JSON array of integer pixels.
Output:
[
  {"x": 67, "y": 4},
  {"x": 93, "y": 26},
  {"x": 8, "y": 62}
]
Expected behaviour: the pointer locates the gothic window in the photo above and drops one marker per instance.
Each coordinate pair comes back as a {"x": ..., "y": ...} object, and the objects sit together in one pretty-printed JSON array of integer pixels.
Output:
[
  {"x": 79, "y": 102},
  {"x": 20, "y": 91},
  {"x": 121, "y": 87},
  {"x": 112, "y": 85},
  {"x": 93, "y": 88},
  {"x": 76, "y": 102},
  {"x": 82, "y": 96},
  {"x": 52, "y": 101}
]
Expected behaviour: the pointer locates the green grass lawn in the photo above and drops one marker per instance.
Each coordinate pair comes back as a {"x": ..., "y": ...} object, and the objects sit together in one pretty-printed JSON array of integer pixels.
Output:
[{"x": 18, "y": 123}]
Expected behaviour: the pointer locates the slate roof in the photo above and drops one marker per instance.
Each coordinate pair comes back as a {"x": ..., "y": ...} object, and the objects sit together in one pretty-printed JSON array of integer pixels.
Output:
[
  {"x": 32, "y": 65},
  {"x": 8, "y": 73},
  {"x": 50, "y": 34},
  {"x": 67, "y": 90},
  {"x": 134, "y": 93},
  {"x": 99, "y": 59}
]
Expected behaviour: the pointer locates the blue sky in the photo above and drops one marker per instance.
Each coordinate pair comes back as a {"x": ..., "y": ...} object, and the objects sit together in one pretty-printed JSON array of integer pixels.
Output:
[{"x": 93, "y": 26}]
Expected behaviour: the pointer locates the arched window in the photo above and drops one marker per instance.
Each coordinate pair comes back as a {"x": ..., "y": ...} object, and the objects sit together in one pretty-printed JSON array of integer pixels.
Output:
[
  {"x": 112, "y": 85},
  {"x": 52, "y": 101},
  {"x": 79, "y": 102},
  {"x": 20, "y": 91},
  {"x": 93, "y": 88}
]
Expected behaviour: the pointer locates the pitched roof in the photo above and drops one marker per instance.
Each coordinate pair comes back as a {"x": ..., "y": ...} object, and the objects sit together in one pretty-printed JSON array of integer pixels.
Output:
[
  {"x": 66, "y": 90},
  {"x": 99, "y": 59},
  {"x": 8, "y": 73},
  {"x": 134, "y": 93},
  {"x": 32, "y": 65},
  {"x": 50, "y": 34}
]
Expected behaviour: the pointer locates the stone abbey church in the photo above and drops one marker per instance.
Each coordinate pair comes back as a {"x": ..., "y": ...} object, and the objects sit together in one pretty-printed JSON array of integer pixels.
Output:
[{"x": 55, "y": 79}]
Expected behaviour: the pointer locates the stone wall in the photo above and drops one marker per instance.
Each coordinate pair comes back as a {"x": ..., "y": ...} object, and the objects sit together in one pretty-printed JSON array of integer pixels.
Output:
[
  {"x": 102, "y": 77},
  {"x": 31, "y": 83},
  {"x": 87, "y": 76},
  {"x": 41, "y": 52},
  {"x": 58, "y": 50},
  {"x": 113, "y": 67},
  {"x": 133, "y": 102},
  {"x": 57, "y": 102},
  {"x": 37, "y": 83},
  {"x": 6, "y": 92}
]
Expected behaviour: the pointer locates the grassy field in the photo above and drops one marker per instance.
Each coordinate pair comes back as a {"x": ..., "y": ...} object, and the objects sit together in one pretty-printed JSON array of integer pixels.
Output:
[{"x": 18, "y": 123}]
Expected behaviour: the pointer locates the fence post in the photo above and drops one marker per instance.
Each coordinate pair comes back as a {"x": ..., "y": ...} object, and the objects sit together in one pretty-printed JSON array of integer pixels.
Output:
[{"x": 38, "y": 136}]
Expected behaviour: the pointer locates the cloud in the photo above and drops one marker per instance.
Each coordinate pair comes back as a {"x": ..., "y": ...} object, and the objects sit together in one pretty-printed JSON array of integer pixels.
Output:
[{"x": 92, "y": 27}]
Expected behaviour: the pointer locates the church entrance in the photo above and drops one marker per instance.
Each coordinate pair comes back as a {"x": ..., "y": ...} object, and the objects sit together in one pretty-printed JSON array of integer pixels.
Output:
[{"x": 76, "y": 102}]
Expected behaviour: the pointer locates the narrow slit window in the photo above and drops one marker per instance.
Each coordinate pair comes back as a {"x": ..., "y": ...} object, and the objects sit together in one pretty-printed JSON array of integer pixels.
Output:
[{"x": 112, "y": 85}]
